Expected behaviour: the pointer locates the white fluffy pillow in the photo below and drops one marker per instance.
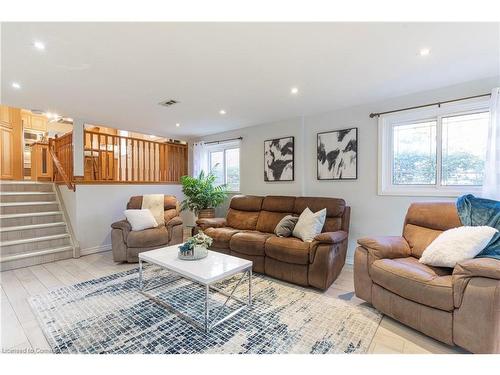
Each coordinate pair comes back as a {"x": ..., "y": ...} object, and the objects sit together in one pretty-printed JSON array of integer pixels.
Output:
[
  {"x": 456, "y": 245},
  {"x": 309, "y": 224},
  {"x": 140, "y": 219}
]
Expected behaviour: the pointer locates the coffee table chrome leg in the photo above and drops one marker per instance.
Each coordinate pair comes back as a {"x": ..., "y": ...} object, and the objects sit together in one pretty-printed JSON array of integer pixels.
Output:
[
  {"x": 250, "y": 287},
  {"x": 207, "y": 307},
  {"x": 140, "y": 275}
]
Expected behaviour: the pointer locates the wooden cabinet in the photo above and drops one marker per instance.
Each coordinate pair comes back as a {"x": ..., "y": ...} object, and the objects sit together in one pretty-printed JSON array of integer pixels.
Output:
[
  {"x": 11, "y": 144},
  {"x": 41, "y": 162},
  {"x": 32, "y": 121},
  {"x": 6, "y": 153},
  {"x": 39, "y": 123},
  {"x": 26, "y": 119},
  {"x": 5, "y": 116}
]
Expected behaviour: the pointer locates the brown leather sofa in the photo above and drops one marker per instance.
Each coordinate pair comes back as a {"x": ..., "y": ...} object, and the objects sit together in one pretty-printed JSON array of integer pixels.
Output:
[
  {"x": 127, "y": 244},
  {"x": 247, "y": 232},
  {"x": 459, "y": 306}
]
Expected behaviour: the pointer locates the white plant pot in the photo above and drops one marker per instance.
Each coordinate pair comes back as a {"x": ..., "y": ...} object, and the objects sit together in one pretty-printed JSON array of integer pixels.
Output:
[{"x": 199, "y": 252}]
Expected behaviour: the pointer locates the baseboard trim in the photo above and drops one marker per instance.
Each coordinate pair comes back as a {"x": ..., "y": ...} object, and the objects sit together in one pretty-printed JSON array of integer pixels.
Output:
[{"x": 95, "y": 249}]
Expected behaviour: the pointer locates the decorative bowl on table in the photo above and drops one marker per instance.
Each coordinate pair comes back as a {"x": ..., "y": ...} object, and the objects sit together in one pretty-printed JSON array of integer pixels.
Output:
[{"x": 195, "y": 247}]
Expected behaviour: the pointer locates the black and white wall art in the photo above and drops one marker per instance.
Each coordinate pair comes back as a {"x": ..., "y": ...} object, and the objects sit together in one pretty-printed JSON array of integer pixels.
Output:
[
  {"x": 337, "y": 155},
  {"x": 278, "y": 159}
]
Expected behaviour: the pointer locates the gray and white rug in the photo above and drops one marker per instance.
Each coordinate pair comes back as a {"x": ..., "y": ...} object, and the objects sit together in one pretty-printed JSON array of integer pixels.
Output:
[{"x": 109, "y": 315}]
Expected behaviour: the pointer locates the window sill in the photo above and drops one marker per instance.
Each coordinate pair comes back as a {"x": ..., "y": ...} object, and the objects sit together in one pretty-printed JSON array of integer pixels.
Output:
[{"x": 428, "y": 192}]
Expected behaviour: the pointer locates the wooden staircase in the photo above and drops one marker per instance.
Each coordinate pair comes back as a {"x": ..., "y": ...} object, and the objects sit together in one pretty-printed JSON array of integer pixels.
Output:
[{"x": 33, "y": 228}]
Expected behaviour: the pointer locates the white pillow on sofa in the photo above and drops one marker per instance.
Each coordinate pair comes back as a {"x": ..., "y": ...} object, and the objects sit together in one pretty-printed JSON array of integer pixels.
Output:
[
  {"x": 456, "y": 245},
  {"x": 140, "y": 219},
  {"x": 309, "y": 225}
]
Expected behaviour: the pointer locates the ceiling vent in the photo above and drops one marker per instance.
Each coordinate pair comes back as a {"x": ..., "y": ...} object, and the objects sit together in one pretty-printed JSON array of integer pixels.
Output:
[{"x": 169, "y": 103}]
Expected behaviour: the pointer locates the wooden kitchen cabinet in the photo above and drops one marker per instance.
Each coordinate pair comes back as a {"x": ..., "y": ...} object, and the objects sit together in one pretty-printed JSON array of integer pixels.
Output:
[
  {"x": 39, "y": 123},
  {"x": 32, "y": 121},
  {"x": 11, "y": 144},
  {"x": 26, "y": 119},
  {"x": 6, "y": 153}
]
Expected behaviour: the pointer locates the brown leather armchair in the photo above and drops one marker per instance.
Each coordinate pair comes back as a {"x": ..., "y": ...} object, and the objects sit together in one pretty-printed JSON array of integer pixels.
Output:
[
  {"x": 127, "y": 244},
  {"x": 459, "y": 306}
]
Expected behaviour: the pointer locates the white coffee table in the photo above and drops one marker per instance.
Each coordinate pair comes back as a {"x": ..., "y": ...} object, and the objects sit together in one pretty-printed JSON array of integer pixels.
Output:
[{"x": 207, "y": 271}]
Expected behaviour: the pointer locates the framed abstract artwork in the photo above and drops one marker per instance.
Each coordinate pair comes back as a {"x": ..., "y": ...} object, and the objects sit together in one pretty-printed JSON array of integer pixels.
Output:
[
  {"x": 278, "y": 159},
  {"x": 337, "y": 155}
]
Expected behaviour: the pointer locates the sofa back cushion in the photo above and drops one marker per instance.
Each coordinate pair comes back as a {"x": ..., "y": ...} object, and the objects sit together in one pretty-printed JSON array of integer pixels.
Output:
[
  {"x": 425, "y": 221},
  {"x": 244, "y": 212},
  {"x": 275, "y": 203},
  {"x": 268, "y": 220},
  {"x": 334, "y": 210}
]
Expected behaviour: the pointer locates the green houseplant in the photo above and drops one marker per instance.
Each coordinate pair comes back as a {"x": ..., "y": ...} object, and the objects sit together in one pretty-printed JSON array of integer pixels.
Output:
[{"x": 202, "y": 196}]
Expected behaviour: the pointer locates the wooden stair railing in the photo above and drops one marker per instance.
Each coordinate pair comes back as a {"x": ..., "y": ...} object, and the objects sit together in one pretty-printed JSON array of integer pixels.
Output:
[{"x": 60, "y": 168}]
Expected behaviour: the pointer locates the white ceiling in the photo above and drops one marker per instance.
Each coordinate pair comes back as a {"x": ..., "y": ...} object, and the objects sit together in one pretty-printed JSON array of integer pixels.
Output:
[{"x": 116, "y": 73}]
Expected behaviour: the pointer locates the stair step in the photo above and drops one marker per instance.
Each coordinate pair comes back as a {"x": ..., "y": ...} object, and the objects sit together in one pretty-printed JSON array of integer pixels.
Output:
[
  {"x": 36, "y": 253},
  {"x": 13, "y": 186},
  {"x": 30, "y": 214},
  {"x": 34, "y": 239},
  {"x": 27, "y": 196},
  {"x": 33, "y": 226},
  {"x": 38, "y": 203},
  {"x": 28, "y": 207},
  {"x": 26, "y": 192}
]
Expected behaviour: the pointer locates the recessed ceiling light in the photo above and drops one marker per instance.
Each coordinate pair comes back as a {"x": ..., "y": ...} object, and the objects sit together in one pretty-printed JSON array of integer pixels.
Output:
[
  {"x": 425, "y": 51},
  {"x": 177, "y": 124},
  {"x": 39, "y": 45},
  {"x": 16, "y": 85},
  {"x": 222, "y": 112},
  {"x": 294, "y": 90}
]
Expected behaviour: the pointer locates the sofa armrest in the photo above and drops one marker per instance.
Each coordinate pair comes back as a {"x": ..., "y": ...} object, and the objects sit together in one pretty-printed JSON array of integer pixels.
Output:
[
  {"x": 122, "y": 224},
  {"x": 216, "y": 222},
  {"x": 382, "y": 247},
  {"x": 465, "y": 271},
  {"x": 331, "y": 237},
  {"x": 478, "y": 267},
  {"x": 174, "y": 221}
]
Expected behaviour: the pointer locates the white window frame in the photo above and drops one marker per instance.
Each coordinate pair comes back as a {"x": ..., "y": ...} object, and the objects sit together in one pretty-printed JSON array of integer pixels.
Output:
[
  {"x": 386, "y": 124},
  {"x": 223, "y": 147}
]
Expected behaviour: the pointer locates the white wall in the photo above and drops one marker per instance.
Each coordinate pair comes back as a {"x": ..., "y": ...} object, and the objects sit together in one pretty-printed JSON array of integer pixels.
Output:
[
  {"x": 93, "y": 208},
  {"x": 371, "y": 214}
]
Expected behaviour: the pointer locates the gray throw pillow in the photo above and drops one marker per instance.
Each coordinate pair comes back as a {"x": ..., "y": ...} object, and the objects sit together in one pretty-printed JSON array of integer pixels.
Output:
[{"x": 285, "y": 226}]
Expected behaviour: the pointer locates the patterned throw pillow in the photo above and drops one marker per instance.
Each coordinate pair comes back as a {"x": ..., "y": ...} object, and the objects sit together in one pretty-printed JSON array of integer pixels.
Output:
[{"x": 285, "y": 226}]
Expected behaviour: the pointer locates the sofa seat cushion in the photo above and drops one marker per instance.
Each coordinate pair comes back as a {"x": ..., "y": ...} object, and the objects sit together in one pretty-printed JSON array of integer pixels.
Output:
[
  {"x": 288, "y": 249},
  {"x": 148, "y": 237},
  {"x": 249, "y": 242},
  {"x": 431, "y": 286},
  {"x": 221, "y": 236}
]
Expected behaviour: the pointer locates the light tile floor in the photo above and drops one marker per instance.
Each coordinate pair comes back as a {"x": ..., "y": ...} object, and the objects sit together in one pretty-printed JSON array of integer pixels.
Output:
[{"x": 20, "y": 330}]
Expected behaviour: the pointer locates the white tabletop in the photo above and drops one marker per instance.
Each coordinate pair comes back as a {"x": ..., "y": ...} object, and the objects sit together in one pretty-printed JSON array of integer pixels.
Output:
[{"x": 214, "y": 267}]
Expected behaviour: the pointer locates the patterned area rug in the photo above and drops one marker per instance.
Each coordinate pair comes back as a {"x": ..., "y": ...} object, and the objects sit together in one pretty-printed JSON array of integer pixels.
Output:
[{"x": 109, "y": 315}]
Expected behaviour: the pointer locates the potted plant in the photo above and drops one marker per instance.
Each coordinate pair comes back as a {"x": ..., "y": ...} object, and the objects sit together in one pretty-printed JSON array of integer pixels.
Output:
[
  {"x": 202, "y": 196},
  {"x": 195, "y": 247}
]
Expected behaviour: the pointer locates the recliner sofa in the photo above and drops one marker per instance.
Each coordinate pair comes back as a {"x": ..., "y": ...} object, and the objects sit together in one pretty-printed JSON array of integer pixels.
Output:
[
  {"x": 127, "y": 244},
  {"x": 459, "y": 306},
  {"x": 248, "y": 232}
]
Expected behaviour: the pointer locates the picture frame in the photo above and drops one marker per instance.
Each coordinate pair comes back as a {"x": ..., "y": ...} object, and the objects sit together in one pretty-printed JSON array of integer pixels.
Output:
[
  {"x": 337, "y": 154},
  {"x": 279, "y": 159}
]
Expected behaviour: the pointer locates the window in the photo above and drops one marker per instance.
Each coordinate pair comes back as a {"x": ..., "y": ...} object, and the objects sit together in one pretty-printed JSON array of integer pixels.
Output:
[
  {"x": 224, "y": 162},
  {"x": 437, "y": 151}
]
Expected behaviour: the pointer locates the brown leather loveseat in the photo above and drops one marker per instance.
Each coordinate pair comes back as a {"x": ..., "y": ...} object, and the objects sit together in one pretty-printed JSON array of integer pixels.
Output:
[
  {"x": 127, "y": 244},
  {"x": 459, "y": 306},
  {"x": 248, "y": 232}
]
